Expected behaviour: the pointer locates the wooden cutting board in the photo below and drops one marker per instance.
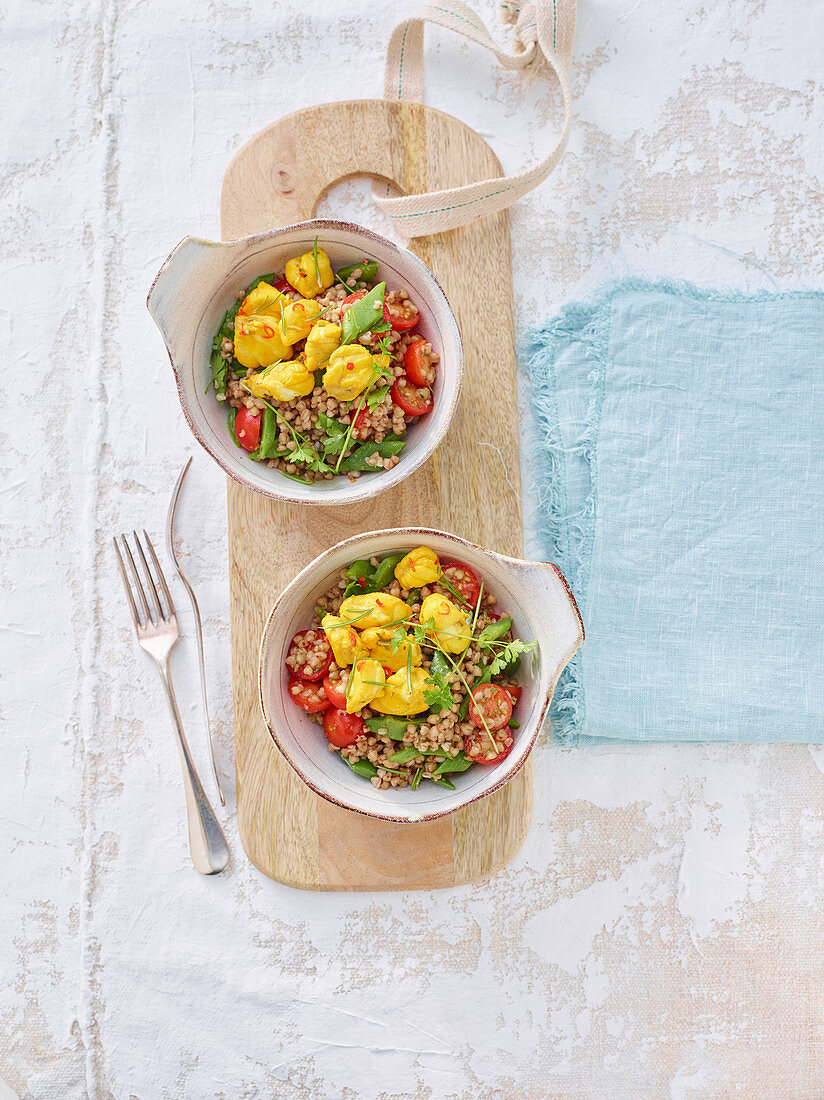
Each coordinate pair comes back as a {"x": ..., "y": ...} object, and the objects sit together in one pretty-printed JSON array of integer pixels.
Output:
[{"x": 288, "y": 832}]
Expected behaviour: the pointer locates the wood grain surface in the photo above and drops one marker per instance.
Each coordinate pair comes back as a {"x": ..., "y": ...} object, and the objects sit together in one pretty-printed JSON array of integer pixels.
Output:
[{"x": 278, "y": 177}]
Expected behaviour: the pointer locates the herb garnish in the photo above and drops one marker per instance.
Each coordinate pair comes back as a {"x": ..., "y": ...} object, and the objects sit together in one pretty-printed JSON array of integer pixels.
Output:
[
  {"x": 317, "y": 265},
  {"x": 303, "y": 451}
]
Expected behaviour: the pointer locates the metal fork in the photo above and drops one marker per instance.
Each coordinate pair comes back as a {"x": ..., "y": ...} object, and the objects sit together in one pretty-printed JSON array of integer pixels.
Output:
[{"x": 157, "y": 633}]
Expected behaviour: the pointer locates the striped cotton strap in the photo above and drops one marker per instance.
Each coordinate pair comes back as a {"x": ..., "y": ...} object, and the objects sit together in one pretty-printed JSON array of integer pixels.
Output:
[{"x": 545, "y": 28}]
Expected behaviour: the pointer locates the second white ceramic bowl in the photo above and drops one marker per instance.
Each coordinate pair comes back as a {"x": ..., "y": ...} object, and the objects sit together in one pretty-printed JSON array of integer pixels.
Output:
[
  {"x": 542, "y": 608},
  {"x": 200, "y": 280}
]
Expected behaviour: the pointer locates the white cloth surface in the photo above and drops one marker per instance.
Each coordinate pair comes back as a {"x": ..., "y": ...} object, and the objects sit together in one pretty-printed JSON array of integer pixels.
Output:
[{"x": 660, "y": 933}]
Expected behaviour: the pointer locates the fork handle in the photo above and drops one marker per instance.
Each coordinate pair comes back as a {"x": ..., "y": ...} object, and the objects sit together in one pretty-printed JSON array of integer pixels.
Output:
[{"x": 210, "y": 852}]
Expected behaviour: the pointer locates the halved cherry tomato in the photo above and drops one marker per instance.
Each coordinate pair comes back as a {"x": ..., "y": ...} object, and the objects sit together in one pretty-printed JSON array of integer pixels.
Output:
[
  {"x": 490, "y": 706},
  {"x": 463, "y": 580},
  {"x": 342, "y": 729},
  {"x": 479, "y": 748},
  {"x": 402, "y": 316},
  {"x": 514, "y": 693},
  {"x": 282, "y": 285},
  {"x": 350, "y": 298},
  {"x": 306, "y": 645},
  {"x": 247, "y": 428},
  {"x": 335, "y": 691},
  {"x": 308, "y": 697},
  {"x": 360, "y": 429},
  {"x": 413, "y": 401},
  {"x": 416, "y": 362}
]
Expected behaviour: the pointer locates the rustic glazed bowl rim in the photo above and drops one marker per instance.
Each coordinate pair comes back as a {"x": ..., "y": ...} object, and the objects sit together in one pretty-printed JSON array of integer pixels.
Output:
[
  {"x": 312, "y": 568},
  {"x": 344, "y": 491}
]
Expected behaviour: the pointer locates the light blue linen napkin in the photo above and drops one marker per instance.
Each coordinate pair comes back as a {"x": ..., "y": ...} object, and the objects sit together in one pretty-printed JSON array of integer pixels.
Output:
[{"x": 680, "y": 472}]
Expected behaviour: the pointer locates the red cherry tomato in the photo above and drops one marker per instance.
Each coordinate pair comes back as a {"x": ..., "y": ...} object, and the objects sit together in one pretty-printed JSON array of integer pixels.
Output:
[
  {"x": 310, "y": 655},
  {"x": 309, "y": 697},
  {"x": 402, "y": 316},
  {"x": 417, "y": 364},
  {"x": 514, "y": 693},
  {"x": 480, "y": 749},
  {"x": 335, "y": 692},
  {"x": 414, "y": 402},
  {"x": 247, "y": 428},
  {"x": 282, "y": 285},
  {"x": 490, "y": 707},
  {"x": 350, "y": 298},
  {"x": 362, "y": 425},
  {"x": 342, "y": 729},
  {"x": 462, "y": 579}
]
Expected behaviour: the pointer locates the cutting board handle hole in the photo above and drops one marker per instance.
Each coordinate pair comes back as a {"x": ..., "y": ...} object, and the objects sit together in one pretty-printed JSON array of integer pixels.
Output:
[{"x": 350, "y": 197}]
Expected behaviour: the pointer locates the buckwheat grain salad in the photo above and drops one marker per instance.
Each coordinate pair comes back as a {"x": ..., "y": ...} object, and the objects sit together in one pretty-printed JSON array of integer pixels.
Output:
[
  {"x": 409, "y": 666},
  {"x": 322, "y": 372}
]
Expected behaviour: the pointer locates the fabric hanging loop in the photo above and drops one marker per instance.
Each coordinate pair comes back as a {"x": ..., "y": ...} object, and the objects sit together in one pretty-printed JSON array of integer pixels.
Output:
[{"x": 545, "y": 28}]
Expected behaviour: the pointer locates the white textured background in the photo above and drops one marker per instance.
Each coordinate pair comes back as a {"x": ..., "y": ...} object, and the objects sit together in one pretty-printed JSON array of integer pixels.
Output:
[{"x": 660, "y": 935}]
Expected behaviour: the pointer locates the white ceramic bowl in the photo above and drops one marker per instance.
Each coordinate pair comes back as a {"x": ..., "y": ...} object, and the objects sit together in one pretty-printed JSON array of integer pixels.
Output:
[
  {"x": 534, "y": 594},
  {"x": 198, "y": 283}
]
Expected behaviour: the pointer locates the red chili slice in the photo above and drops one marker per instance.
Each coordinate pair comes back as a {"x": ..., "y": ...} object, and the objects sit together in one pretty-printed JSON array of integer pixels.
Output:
[
  {"x": 479, "y": 748},
  {"x": 402, "y": 316},
  {"x": 310, "y": 655},
  {"x": 413, "y": 401},
  {"x": 462, "y": 579},
  {"x": 309, "y": 697},
  {"x": 335, "y": 691},
  {"x": 247, "y": 428},
  {"x": 490, "y": 706},
  {"x": 418, "y": 366},
  {"x": 342, "y": 729},
  {"x": 282, "y": 285}
]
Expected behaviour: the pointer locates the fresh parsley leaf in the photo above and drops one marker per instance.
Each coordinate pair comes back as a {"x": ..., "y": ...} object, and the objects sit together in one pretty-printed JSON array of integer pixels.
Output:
[
  {"x": 335, "y": 434},
  {"x": 376, "y": 396},
  {"x": 220, "y": 369},
  {"x": 509, "y": 654},
  {"x": 439, "y": 696}
]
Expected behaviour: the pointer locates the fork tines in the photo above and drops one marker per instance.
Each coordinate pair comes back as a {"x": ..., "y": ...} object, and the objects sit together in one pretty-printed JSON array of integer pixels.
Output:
[{"x": 142, "y": 614}]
